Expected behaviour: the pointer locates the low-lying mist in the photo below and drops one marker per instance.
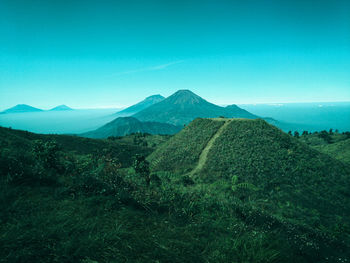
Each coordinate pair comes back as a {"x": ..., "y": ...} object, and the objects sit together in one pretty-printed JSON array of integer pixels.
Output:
[
  {"x": 60, "y": 122},
  {"x": 306, "y": 116}
]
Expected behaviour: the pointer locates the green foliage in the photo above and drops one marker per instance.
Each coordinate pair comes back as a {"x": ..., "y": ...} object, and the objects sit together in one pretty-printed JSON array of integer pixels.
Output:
[
  {"x": 335, "y": 145},
  {"x": 97, "y": 210},
  {"x": 277, "y": 180},
  {"x": 123, "y": 150},
  {"x": 141, "y": 166},
  {"x": 128, "y": 125},
  {"x": 241, "y": 186},
  {"x": 183, "y": 150},
  {"x": 326, "y": 136},
  {"x": 46, "y": 153}
]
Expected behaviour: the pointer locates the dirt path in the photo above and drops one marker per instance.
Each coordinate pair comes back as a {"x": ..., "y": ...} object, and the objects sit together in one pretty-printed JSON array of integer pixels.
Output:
[{"x": 204, "y": 153}]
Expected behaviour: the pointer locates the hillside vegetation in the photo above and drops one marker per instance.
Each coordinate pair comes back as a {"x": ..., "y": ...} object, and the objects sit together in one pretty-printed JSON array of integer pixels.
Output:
[
  {"x": 330, "y": 142},
  {"x": 275, "y": 163},
  {"x": 274, "y": 174},
  {"x": 127, "y": 125},
  {"x": 60, "y": 206},
  {"x": 22, "y": 142},
  {"x": 61, "y": 202},
  {"x": 181, "y": 155}
]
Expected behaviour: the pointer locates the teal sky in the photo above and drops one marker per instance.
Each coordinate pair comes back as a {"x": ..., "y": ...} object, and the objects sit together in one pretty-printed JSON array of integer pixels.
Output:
[{"x": 89, "y": 54}]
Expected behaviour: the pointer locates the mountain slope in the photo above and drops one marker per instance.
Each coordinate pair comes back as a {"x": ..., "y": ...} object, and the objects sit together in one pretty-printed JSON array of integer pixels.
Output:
[
  {"x": 24, "y": 141},
  {"x": 126, "y": 125},
  {"x": 59, "y": 205},
  {"x": 339, "y": 150},
  {"x": 269, "y": 173},
  {"x": 184, "y": 106},
  {"x": 149, "y": 101},
  {"x": 21, "y": 108},
  {"x": 71, "y": 201},
  {"x": 61, "y": 108},
  {"x": 334, "y": 144}
]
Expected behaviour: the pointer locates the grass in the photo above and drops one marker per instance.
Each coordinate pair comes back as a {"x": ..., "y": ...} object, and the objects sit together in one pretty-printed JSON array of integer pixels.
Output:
[
  {"x": 60, "y": 205},
  {"x": 182, "y": 155},
  {"x": 204, "y": 154},
  {"x": 338, "y": 147}
]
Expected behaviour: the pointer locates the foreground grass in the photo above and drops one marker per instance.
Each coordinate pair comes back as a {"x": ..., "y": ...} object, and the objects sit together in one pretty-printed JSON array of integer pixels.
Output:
[{"x": 64, "y": 206}]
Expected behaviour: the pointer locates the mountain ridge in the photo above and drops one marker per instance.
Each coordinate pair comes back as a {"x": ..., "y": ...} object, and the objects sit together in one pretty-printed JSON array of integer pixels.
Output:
[
  {"x": 126, "y": 125},
  {"x": 148, "y": 101},
  {"x": 184, "y": 106}
]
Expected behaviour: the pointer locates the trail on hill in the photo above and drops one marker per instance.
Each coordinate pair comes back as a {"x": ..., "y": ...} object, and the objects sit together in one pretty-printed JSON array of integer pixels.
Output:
[{"x": 204, "y": 154}]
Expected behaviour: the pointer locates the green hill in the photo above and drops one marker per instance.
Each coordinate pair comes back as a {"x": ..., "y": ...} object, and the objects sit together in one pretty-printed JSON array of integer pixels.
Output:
[
  {"x": 181, "y": 152},
  {"x": 266, "y": 170},
  {"x": 184, "y": 106},
  {"x": 127, "y": 125},
  {"x": 72, "y": 199},
  {"x": 24, "y": 141},
  {"x": 59, "y": 205}
]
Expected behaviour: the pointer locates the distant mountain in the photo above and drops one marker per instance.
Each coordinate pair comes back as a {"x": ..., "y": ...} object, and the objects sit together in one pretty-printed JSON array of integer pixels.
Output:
[
  {"x": 184, "y": 106},
  {"x": 21, "y": 108},
  {"x": 61, "y": 108},
  {"x": 149, "y": 101},
  {"x": 126, "y": 125}
]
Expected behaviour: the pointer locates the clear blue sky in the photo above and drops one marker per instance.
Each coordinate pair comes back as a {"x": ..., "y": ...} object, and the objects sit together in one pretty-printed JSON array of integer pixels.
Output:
[{"x": 99, "y": 53}]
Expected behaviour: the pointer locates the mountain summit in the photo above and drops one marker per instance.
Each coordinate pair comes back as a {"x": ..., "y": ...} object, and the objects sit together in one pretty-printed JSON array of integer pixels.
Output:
[
  {"x": 185, "y": 96},
  {"x": 149, "y": 101},
  {"x": 184, "y": 106}
]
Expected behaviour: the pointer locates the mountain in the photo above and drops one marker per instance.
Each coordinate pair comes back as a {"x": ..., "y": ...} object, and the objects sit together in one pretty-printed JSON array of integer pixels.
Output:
[
  {"x": 61, "y": 108},
  {"x": 149, "y": 101},
  {"x": 184, "y": 106},
  {"x": 270, "y": 173},
  {"x": 126, "y": 125},
  {"x": 21, "y": 108}
]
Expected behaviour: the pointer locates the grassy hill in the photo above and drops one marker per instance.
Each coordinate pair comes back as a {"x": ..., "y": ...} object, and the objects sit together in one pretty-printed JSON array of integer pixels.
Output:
[
  {"x": 127, "y": 125},
  {"x": 59, "y": 205},
  {"x": 266, "y": 170},
  {"x": 71, "y": 199},
  {"x": 121, "y": 150},
  {"x": 179, "y": 154},
  {"x": 184, "y": 106}
]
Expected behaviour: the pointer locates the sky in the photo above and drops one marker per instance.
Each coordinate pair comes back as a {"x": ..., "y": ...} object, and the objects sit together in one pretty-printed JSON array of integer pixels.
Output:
[{"x": 95, "y": 54}]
